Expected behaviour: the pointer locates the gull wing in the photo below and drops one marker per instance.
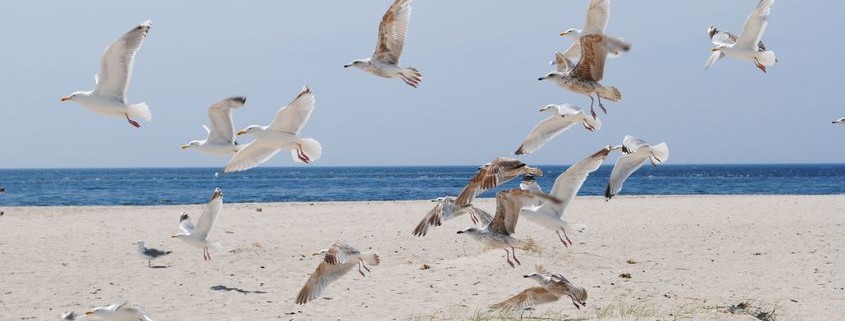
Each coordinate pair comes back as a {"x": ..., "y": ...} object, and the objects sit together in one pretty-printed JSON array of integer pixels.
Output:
[
  {"x": 292, "y": 118},
  {"x": 597, "y": 15},
  {"x": 222, "y": 130},
  {"x": 391, "y": 32},
  {"x": 209, "y": 215},
  {"x": 755, "y": 25},
  {"x": 569, "y": 183},
  {"x": 527, "y": 298},
  {"x": 508, "y": 205},
  {"x": 117, "y": 62},
  {"x": 249, "y": 157},
  {"x": 593, "y": 55},
  {"x": 185, "y": 224},
  {"x": 631, "y": 161},
  {"x": 543, "y": 132}
]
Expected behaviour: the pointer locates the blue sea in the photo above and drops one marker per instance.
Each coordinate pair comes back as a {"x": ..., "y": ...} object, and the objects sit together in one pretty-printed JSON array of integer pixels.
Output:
[{"x": 167, "y": 186}]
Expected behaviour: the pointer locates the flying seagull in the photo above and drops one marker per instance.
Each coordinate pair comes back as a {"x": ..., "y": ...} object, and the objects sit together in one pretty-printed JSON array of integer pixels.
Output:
[
  {"x": 495, "y": 173},
  {"x": 445, "y": 210},
  {"x": 149, "y": 254},
  {"x": 338, "y": 260},
  {"x": 840, "y": 121},
  {"x": 584, "y": 77},
  {"x": 550, "y": 215},
  {"x": 109, "y": 95},
  {"x": 552, "y": 288},
  {"x": 221, "y": 135},
  {"x": 596, "y": 23},
  {"x": 391, "y": 39},
  {"x": 198, "y": 237},
  {"x": 636, "y": 153},
  {"x": 497, "y": 234},
  {"x": 562, "y": 117},
  {"x": 119, "y": 312},
  {"x": 749, "y": 45},
  {"x": 282, "y": 133}
]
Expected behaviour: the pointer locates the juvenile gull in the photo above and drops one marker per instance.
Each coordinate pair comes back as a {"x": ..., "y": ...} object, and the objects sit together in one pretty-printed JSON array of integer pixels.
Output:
[
  {"x": 119, "y": 312},
  {"x": 445, "y": 210},
  {"x": 840, "y": 121},
  {"x": 597, "y": 15},
  {"x": 636, "y": 153},
  {"x": 499, "y": 171},
  {"x": 562, "y": 117},
  {"x": 497, "y": 234},
  {"x": 584, "y": 77},
  {"x": 282, "y": 133},
  {"x": 567, "y": 185},
  {"x": 749, "y": 45},
  {"x": 221, "y": 135},
  {"x": 198, "y": 236},
  {"x": 338, "y": 260},
  {"x": 391, "y": 39},
  {"x": 109, "y": 96},
  {"x": 149, "y": 254},
  {"x": 552, "y": 288}
]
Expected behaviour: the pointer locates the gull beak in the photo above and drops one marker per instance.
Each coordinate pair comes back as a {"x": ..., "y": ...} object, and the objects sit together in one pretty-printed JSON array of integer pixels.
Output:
[
  {"x": 346, "y": 66},
  {"x": 241, "y": 132},
  {"x": 715, "y": 49},
  {"x": 173, "y": 236},
  {"x": 541, "y": 78},
  {"x": 315, "y": 254},
  {"x": 89, "y": 312},
  {"x": 564, "y": 34},
  {"x": 460, "y": 232},
  {"x": 65, "y": 98},
  {"x": 185, "y": 146}
]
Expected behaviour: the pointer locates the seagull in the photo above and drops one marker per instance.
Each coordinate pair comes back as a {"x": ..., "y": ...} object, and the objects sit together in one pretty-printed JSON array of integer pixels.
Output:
[
  {"x": 391, "y": 39},
  {"x": 563, "y": 117},
  {"x": 221, "y": 135},
  {"x": 497, "y": 234},
  {"x": 552, "y": 288},
  {"x": 119, "y": 312},
  {"x": 636, "y": 153},
  {"x": 198, "y": 237},
  {"x": 584, "y": 77},
  {"x": 149, "y": 254},
  {"x": 445, "y": 210},
  {"x": 550, "y": 215},
  {"x": 282, "y": 133},
  {"x": 840, "y": 121},
  {"x": 499, "y": 171},
  {"x": 748, "y": 46},
  {"x": 596, "y": 23},
  {"x": 109, "y": 95},
  {"x": 338, "y": 260}
]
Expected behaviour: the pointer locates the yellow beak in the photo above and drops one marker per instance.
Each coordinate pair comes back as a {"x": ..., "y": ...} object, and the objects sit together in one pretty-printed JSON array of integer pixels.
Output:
[
  {"x": 89, "y": 312},
  {"x": 715, "y": 49},
  {"x": 65, "y": 98},
  {"x": 564, "y": 34},
  {"x": 173, "y": 236},
  {"x": 185, "y": 146},
  {"x": 241, "y": 132}
]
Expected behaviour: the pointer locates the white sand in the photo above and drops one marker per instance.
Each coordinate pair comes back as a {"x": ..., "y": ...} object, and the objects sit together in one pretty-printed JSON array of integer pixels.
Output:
[{"x": 695, "y": 256}]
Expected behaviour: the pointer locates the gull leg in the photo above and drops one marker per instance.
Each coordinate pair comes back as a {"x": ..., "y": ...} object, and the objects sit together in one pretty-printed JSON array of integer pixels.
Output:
[
  {"x": 301, "y": 155},
  {"x": 508, "y": 257},
  {"x": 561, "y": 238},
  {"x": 759, "y": 65},
  {"x": 588, "y": 127},
  {"x": 359, "y": 269},
  {"x": 132, "y": 122},
  {"x": 365, "y": 266},
  {"x": 149, "y": 264},
  {"x": 566, "y": 236},
  {"x": 600, "y": 104},
  {"x": 575, "y": 303},
  {"x": 207, "y": 252},
  {"x": 513, "y": 253},
  {"x": 592, "y": 110}
]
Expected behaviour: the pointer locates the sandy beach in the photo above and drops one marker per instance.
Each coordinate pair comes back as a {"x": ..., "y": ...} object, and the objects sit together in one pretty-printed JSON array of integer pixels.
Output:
[{"x": 688, "y": 257}]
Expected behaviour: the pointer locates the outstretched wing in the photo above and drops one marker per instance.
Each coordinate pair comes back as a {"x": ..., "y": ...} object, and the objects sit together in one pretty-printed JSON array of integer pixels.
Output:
[
  {"x": 292, "y": 117},
  {"x": 249, "y": 157},
  {"x": 597, "y": 15},
  {"x": 593, "y": 56},
  {"x": 222, "y": 130},
  {"x": 209, "y": 215},
  {"x": 545, "y": 131},
  {"x": 755, "y": 25},
  {"x": 185, "y": 224},
  {"x": 508, "y": 205},
  {"x": 117, "y": 61},
  {"x": 569, "y": 183},
  {"x": 527, "y": 298},
  {"x": 391, "y": 32}
]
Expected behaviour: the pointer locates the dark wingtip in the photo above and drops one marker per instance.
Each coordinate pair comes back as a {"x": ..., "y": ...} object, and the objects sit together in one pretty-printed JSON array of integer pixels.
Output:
[
  {"x": 607, "y": 194},
  {"x": 217, "y": 194},
  {"x": 183, "y": 217},
  {"x": 240, "y": 99}
]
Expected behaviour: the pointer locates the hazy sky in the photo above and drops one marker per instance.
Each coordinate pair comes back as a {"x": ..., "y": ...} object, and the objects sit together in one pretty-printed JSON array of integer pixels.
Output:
[{"x": 478, "y": 100}]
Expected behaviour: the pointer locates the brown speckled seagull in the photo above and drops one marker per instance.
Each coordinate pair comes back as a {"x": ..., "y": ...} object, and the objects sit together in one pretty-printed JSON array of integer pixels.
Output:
[
  {"x": 552, "y": 288},
  {"x": 338, "y": 260}
]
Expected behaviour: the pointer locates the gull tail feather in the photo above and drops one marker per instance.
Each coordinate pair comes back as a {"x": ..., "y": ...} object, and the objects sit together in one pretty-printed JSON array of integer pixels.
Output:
[
  {"x": 767, "y": 58},
  {"x": 610, "y": 93},
  {"x": 370, "y": 258},
  {"x": 140, "y": 110},
  {"x": 659, "y": 153}
]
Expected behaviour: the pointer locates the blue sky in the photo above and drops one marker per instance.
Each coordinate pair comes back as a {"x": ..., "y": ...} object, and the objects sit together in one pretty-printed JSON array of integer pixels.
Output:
[{"x": 478, "y": 99}]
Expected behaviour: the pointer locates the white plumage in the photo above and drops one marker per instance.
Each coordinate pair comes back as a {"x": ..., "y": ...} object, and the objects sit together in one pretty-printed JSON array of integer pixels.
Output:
[
  {"x": 221, "y": 134},
  {"x": 636, "y": 153},
  {"x": 748, "y": 45},
  {"x": 563, "y": 117},
  {"x": 198, "y": 236}
]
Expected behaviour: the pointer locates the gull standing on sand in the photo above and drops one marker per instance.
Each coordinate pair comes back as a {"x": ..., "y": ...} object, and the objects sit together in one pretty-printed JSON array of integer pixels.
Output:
[
  {"x": 119, "y": 312},
  {"x": 282, "y": 133},
  {"x": 563, "y": 117},
  {"x": 636, "y": 153},
  {"x": 109, "y": 95},
  {"x": 584, "y": 77},
  {"x": 567, "y": 185},
  {"x": 198, "y": 236},
  {"x": 552, "y": 288},
  {"x": 840, "y": 121},
  {"x": 221, "y": 135},
  {"x": 497, "y": 234},
  {"x": 149, "y": 254},
  {"x": 749, "y": 45},
  {"x": 391, "y": 40},
  {"x": 597, "y": 15},
  {"x": 445, "y": 210},
  {"x": 338, "y": 260}
]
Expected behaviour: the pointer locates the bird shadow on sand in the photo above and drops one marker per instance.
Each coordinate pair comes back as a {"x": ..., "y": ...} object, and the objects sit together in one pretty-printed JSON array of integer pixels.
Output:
[
  {"x": 159, "y": 267},
  {"x": 228, "y": 289}
]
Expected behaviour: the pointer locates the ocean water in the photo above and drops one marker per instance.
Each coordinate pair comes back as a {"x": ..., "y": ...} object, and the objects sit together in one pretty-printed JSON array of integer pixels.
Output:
[{"x": 163, "y": 186}]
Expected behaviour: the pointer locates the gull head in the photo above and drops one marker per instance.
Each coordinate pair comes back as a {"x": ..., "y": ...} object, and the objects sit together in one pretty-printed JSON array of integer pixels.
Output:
[
  {"x": 178, "y": 235},
  {"x": 549, "y": 108},
  {"x": 321, "y": 252},
  {"x": 194, "y": 143},
  {"x": 571, "y": 32},
  {"x": 76, "y": 96},
  {"x": 250, "y": 129},
  {"x": 357, "y": 63},
  {"x": 552, "y": 75},
  {"x": 97, "y": 311}
]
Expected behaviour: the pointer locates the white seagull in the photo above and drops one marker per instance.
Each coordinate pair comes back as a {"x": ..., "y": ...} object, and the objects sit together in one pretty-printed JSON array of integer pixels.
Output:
[
  {"x": 567, "y": 185},
  {"x": 636, "y": 153},
  {"x": 840, "y": 121},
  {"x": 597, "y": 15},
  {"x": 119, "y": 312},
  {"x": 391, "y": 40},
  {"x": 749, "y": 45},
  {"x": 221, "y": 135},
  {"x": 338, "y": 260},
  {"x": 282, "y": 133},
  {"x": 109, "y": 95},
  {"x": 562, "y": 117},
  {"x": 149, "y": 254},
  {"x": 198, "y": 236}
]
